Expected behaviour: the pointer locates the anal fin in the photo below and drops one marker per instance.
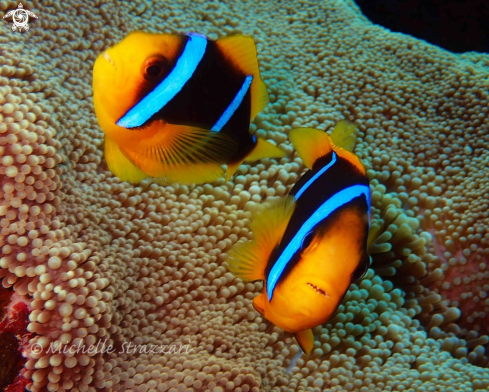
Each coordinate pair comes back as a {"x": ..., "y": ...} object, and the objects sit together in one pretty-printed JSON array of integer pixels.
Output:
[
  {"x": 262, "y": 149},
  {"x": 195, "y": 173},
  {"x": 305, "y": 339},
  {"x": 231, "y": 169}
]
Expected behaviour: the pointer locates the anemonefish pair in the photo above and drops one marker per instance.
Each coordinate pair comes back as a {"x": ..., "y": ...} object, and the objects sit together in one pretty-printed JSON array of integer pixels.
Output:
[
  {"x": 178, "y": 107},
  {"x": 309, "y": 246}
]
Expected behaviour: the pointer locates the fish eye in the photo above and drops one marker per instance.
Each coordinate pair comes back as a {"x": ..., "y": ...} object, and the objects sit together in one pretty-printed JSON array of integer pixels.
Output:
[
  {"x": 154, "y": 67},
  {"x": 362, "y": 268},
  {"x": 307, "y": 240}
]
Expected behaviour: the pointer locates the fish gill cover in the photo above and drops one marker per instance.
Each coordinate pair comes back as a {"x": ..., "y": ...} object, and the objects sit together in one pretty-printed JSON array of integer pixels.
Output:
[{"x": 101, "y": 260}]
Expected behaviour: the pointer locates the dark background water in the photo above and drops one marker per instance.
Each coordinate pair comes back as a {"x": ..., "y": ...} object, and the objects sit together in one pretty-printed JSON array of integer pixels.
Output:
[{"x": 456, "y": 25}]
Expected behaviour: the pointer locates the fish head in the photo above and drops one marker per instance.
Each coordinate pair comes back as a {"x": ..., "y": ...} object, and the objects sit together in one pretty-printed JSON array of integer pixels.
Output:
[
  {"x": 126, "y": 72},
  {"x": 309, "y": 294}
]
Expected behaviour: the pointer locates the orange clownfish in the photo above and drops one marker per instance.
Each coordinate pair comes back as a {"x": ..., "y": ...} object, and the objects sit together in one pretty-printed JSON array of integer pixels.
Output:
[
  {"x": 310, "y": 245},
  {"x": 178, "y": 107}
]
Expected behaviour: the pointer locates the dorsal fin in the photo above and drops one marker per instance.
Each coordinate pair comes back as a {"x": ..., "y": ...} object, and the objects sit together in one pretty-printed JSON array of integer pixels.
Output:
[
  {"x": 344, "y": 135},
  {"x": 344, "y": 138},
  {"x": 310, "y": 144},
  {"x": 248, "y": 260},
  {"x": 241, "y": 51}
]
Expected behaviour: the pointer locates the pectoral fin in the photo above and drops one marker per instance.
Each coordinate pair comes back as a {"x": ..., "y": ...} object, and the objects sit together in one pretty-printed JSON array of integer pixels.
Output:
[
  {"x": 182, "y": 154},
  {"x": 259, "y": 304},
  {"x": 248, "y": 260},
  {"x": 305, "y": 339}
]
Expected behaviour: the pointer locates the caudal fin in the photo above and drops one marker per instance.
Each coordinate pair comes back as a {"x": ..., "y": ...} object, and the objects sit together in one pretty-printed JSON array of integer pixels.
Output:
[{"x": 263, "y": 149}]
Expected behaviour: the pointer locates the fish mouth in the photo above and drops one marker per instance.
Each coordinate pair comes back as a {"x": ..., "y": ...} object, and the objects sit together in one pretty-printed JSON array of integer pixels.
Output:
[{"x": 318, "y": 290}]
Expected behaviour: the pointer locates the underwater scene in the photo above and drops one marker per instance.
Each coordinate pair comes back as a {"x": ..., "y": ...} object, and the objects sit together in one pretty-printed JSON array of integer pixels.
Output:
[{"x": 240, "y": 196}]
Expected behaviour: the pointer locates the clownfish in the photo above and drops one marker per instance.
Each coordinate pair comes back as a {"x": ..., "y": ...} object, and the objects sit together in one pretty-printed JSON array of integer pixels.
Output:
[
  {"x": 310, "y": 245},
  {"x": 178, "y": 107}
]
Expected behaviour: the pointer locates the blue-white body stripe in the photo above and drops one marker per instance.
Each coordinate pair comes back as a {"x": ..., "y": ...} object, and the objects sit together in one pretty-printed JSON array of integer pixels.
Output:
[
  {"x": 315, "y": 177},
  {"x": 166, "y": 90},
  {"x": 233, "y": 106},
  {"x": 327, "y": 208}
]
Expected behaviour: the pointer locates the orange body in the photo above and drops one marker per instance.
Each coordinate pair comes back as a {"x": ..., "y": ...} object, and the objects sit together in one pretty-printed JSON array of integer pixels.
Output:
[
  {"x": 312, "y": 291},
  {"x": 172, "y": 152},
  {"x": 309, "y": 246}
]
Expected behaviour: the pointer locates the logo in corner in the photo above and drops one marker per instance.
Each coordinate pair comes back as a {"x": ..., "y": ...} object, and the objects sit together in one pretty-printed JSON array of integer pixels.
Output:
[{"x": 20, "y": 18}]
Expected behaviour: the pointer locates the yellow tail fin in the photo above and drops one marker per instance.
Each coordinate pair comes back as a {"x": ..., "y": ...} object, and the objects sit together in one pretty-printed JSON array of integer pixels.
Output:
[
  {"x": 264, "y": 149},
  {"x": 248, "y": 260}
]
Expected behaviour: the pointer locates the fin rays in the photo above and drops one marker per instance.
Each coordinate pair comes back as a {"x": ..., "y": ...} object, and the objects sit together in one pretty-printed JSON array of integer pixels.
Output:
[
  {"x": 247, "y": 260},
  {"x": 182, "y": 154},
  {"x": 344, "y": 135}
]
